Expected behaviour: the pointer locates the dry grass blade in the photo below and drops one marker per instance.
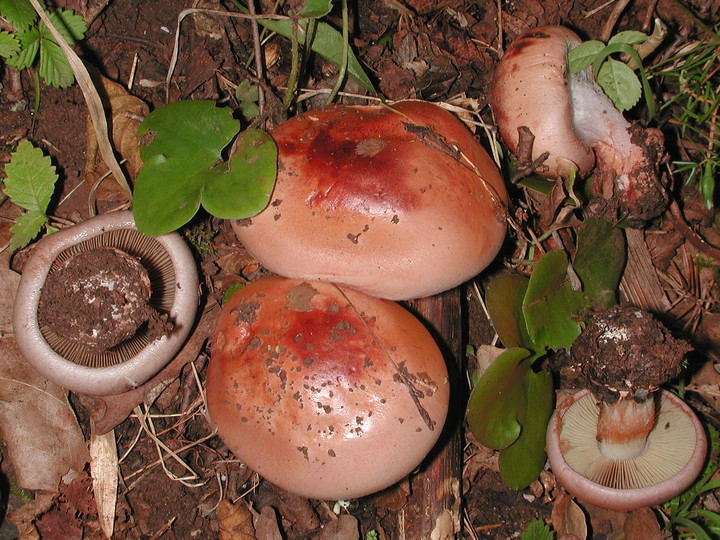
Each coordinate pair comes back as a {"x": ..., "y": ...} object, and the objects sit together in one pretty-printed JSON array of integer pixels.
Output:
[
  {"x": 92, "y": 99},
  {"x": 104, "y": 472}
]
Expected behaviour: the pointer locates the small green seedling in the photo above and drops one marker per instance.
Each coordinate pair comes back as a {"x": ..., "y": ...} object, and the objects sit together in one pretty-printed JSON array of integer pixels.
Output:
[
  {"x": 30, "y": 184},
  {"x": 188, "y": 162},
  {"x": 686, "y": 517},
  {"x": 31, "y": 40},
  {"x": 537, "y": 530},
  {"x": 618, "y": 80},
  {"x": 511, "y": 404}
]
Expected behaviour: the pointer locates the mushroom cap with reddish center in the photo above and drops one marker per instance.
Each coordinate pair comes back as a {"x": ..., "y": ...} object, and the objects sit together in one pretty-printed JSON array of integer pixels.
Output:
[
  {"x": 325, "y": 391},
  {"x": 399, "y": 202}
]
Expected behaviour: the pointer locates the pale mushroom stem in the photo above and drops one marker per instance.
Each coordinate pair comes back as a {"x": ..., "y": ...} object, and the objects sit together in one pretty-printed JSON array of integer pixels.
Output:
[{"x": 623, "y": 427}]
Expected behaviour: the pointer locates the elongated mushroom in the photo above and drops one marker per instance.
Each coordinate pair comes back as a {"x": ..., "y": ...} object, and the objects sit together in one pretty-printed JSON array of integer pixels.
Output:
[
  {"x": 137, "y": 318},
  {"x": 322, "y": 390},
  {"x": 397, "y": 201},
  {"x": 624, "y": 444},
  {"x": 573, "y": 120}
]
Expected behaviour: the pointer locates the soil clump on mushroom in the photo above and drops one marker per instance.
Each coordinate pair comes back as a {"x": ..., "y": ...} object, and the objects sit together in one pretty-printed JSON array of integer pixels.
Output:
[
  {"x": 99, "y": 299},
  {"x": 627, "y": 352}
]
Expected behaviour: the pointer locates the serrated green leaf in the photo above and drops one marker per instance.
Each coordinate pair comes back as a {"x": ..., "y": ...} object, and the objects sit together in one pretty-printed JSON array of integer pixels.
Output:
[
  {"x": 582, "y": 56},
  {"x": 54, "y": 67},
  {"x": 537, "y": 530},
  {"x": 314, "y": 9},
  {"x": 620, "y": 83},
  {"x": 71, "y": 25},
  {"x": 26, "y": 228},
  {"x": 493, "y": 410},
  {"x": 9, "y": 45},
  {"x": 599, "y": 261},
  {"x": 327, "y": 42},
  {"x": 551, "y": 307},
  {"x": 19, "y": 13},
  {"x": 29, "y": 46},
  {"x": 183, "y": 167},
  {"x": 629, "y": 37},
  {"x": 504, "y": 296},
  {"x": 521, "y": 462},
  {"x": 31, "y": 178}
]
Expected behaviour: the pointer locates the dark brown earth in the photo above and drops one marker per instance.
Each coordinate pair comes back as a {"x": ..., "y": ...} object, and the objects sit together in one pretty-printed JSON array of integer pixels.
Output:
[{"x": 438, "y": 50}]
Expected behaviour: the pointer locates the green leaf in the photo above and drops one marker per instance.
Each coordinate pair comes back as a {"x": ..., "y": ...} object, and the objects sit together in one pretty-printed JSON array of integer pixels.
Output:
[
  {"x": 504, "y": 296},
  {"x": 26, "y": 228},
  {"x": 19, "y": 13},
  {"x": 537, "y": 530},
  {"x": 29, "y": 46},
  {"x": 522, "y": 461},
  {"x": 247, "y": 95},
  {"x": 582, "y": 56},
  {"x": 495, "y": 404},
  {"x": 54, "y": 67},
  {"x": 183, "y": 166},
  {"x": 71, "y": 25},
  {"x": 242, "y": 187},
  {"x": 707, "y": 184},
  {"x": 551, "y": 307},
  {"x": 314, "y": 9},
  {"x": 629, "y": 37},
  {"x": 8, "y": 44},
  {"x": 599, "y": 261},
  {"x": 30, "y": 184},
  {"x": 620, "y": 83},
  {"x": 327, "y": 42}
]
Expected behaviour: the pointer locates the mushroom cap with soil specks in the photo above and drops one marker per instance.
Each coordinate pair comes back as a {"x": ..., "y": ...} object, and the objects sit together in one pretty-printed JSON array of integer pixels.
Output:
[
  {"x": 396, "y": 201},
  {"x": 668, "y": 463},
  {"x": 173, "y": 275},
  {"x": 322, "y": 390}
]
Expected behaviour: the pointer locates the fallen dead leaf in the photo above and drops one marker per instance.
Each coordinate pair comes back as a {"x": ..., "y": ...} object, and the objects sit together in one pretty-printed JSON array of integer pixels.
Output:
[
  {"x": 266, "y": 524},
  {"x": 568, "y": 518},
  {"x": 126, "y": 113},
  {"x": 42, "y": 437},
  {"x": 345, "y": 526},
  {"x": 104, "y": 472},
  {"x": 235, "y": 522}
]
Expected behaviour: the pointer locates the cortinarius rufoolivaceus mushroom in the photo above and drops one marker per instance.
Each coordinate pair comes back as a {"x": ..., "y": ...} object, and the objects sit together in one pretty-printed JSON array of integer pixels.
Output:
[
  {"x": 322, "y": 390},
  {"x": 396, "y": 201},
  {"x": 573, "y": 120},
  {"x": 625, "y": 444}
]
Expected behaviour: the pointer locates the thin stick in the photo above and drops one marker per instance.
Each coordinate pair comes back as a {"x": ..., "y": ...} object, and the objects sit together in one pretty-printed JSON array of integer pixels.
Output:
[
  {"x": 259, "y": 69},
  {"x": 612, "y": 20}
]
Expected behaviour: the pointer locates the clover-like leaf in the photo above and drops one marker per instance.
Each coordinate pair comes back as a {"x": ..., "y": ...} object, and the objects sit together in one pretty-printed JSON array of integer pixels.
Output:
[
  {"x": 599, "y": 261},
  {"x": 504, "y": 295},
  {"x": 497, "y": 401},
  {"x": 184, "y": 167},
  {"x": 522, "y": 461},
  {"x": 9, "y": 45},
  {"x": 551, "y": 307}
]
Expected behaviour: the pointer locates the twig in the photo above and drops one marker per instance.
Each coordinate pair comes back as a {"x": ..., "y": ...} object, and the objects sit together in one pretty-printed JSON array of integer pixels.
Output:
[
  {"x": 612, "y": 20},
  {"x": 259, "y": 69},
  {"x": 690, "y": 235}
]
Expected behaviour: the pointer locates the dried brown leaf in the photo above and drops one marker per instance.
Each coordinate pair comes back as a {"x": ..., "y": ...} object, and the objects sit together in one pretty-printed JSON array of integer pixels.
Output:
[
  {"x": 126, "y": 114},
  {"x": 42, "y": 437},
  {"x": 235, "y": 522},
  {"x": 568, "y": 518},
  {"x": 344, "y": 527},
  {"x": 104, "y": 471},
  {"x": 266, "y": 525}
]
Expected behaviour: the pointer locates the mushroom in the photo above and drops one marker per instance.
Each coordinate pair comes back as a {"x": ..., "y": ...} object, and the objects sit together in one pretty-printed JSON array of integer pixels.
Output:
[
  {"x": 576, "y": 124},
  {"x": 396, "y": 201},
  {"x": 322, "y": 390},
  {"x": 146, "y": 320},
  {"x": 624, "y": 444}
]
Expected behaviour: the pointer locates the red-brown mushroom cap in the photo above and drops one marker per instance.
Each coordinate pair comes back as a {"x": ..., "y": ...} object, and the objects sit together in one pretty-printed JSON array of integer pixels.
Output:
[
  {"x": 325, "y": 391},
  {"x": 398, "y": 202}
]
